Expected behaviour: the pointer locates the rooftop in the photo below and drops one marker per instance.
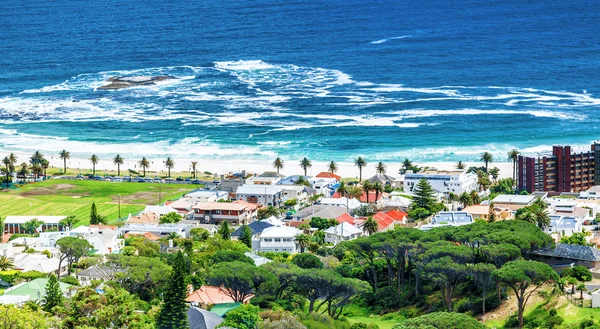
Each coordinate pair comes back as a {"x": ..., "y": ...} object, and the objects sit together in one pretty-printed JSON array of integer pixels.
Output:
[
  {"x": 25, "y": 219},
  {"x": 219, "y": 206},
  {"x": 571, "y": 251},
  {"x": 324, "y": 211},
  {"x": 514, "y": 199},
  {"x": 258, "y": 189},
  {"x": 344, "y": 229},
  {"x": 35, "y": 289},
  {"x": 256, "y": 227},
  {"x": 434, "y": 172},
  {"x": 279, "y": 231},
  {"x": 326, "y": 174},
  {"x": 199, "y": 318}
]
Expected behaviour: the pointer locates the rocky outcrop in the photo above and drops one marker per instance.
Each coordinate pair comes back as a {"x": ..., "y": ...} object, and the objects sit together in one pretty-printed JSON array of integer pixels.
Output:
[{"x": 126, "y": 82}]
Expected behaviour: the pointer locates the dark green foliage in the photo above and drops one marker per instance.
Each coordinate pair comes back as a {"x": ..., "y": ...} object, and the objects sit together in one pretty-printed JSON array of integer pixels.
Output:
[
  {"x": 578, "y": 238},
  {"x": 322, "y": 223},
  {"x": 240, "y": 280},
  {"x": 243, "y": 317},
  {"x": 581, "y": 273},
  {"x": 143, "y": 276},
  {"x": 53, "y": 295},
  {"x": 95, "y": 218},
  {"x": 199, "y": 234},
  {"x": 31, "y": 227},
  {"x": 173, "y": 313},
  {"x": 170, "y": 218},
  {"x": 71, "y": 250},
  {"x": 224, "y": 230},
  {"x": 424, "y": 204},
  {"x": 70, "y": 280},
  {"x": 246, "y": 236},
  {"x": 441, "y": 320},
  {"x": 225, "y": 256},
  {"x": 307, "y": 261},
  {"x": 266, "y": 212}
]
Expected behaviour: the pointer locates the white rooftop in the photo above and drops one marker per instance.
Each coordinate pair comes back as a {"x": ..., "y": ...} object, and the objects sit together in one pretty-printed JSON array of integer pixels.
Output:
[
  {"x": 258, "y": 189},
  {"x": 344, "y": 229},
  {"x": 159, "y": 210},
  {"x": 342, "y": 202},
  {"x": 280, "y": 232},
  {"x": 514, "y": 199}
]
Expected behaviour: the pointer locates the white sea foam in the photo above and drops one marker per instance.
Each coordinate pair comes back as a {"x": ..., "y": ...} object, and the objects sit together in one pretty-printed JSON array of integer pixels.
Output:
[{"x": 380, "y": 41}]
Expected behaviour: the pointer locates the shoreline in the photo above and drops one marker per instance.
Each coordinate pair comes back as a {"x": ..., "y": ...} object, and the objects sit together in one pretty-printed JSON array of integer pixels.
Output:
[{"x": 291, "y": 167}]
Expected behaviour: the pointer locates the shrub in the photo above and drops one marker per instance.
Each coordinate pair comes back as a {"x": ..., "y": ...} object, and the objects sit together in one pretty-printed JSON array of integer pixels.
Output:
[
  {"x": 70, "y": 280},
  {"x": 307, "y": 261}
]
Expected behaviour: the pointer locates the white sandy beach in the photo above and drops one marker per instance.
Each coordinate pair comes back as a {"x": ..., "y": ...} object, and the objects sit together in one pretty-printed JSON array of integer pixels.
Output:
[{"x": 291, "y": 166}]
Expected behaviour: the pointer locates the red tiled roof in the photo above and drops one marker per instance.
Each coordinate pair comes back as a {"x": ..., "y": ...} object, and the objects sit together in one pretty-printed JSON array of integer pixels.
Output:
[
  {"x": 327, "y": 174},
  {"x": 383, "y": 220},
  {"x": 345, "y": 218},
  {"x": 251, "y": 206},
  {"x": 101, "y": 227},
  {"x": 363, "y": 197},
  {"x": 6, "y": 238},
  {"x": 211, "y": 295},
  {"x": 397, "y": 214}
]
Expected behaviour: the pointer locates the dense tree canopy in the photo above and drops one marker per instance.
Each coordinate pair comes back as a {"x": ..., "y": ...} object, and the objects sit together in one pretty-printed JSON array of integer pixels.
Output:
[{"x": 441, "y": 320}]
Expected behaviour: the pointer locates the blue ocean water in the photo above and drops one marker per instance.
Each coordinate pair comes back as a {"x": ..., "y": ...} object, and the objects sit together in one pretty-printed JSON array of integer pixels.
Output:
[{"x": 386, "y": 79}]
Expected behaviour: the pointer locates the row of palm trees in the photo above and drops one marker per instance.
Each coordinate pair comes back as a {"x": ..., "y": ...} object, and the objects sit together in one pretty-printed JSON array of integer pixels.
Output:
[
  {"x": 306, "y": 163},
  {"x": 487, "y": 158}
]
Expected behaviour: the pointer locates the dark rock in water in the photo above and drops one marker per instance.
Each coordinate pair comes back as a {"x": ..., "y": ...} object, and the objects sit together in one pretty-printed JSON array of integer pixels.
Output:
[{"x": 125, "y": 82}]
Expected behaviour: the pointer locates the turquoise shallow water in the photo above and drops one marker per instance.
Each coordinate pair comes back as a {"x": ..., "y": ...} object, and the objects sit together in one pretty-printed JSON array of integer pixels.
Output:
[{"x": 428, "y": 80}]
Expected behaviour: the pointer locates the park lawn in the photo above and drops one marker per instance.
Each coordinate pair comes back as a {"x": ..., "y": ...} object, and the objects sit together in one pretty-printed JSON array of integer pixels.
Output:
[
  {"x": 74, "y": 197},
  {"x": 52, "y": 171}
]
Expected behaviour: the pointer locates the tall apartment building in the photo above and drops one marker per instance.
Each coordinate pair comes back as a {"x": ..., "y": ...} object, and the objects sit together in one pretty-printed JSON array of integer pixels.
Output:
[{"x": 563, "y": 170}]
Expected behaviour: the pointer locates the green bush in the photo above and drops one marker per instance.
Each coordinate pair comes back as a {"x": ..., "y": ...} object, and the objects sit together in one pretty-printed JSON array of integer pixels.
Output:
[
  {"x": 307, "y": 261},
  {"x": 70, "y": 280}
]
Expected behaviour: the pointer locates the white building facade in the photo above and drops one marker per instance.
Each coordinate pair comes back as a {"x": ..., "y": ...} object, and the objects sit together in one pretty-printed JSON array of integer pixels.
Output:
[{"x": 457, "y": 182}]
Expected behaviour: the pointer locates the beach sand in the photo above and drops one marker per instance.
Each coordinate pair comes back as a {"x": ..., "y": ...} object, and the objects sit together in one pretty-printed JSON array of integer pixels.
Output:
[{"x": 291, "y": 167}]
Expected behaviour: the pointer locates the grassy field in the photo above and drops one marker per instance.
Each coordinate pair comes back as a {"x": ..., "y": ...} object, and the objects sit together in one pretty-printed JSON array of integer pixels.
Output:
[
  {"x": 74, "y": 197},
  {"x": 163, "y": 173}
]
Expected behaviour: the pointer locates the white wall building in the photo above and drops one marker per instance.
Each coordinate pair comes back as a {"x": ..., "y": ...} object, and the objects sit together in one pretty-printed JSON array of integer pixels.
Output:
[
  {"x": 298, "y": 192},
  {"x": 449, "y": 218},
  {"x": 269, "y": 195},
  {"x": 323, "y": 185},
  {"x": 342, "y": 232},
  {"x": 207, "y": 196},
  {"x": 277, "y": 239},
  {"x": 564, "y": 225},
  {"x": 351, "y": 204},
  {"x": 457, "y": 181}
]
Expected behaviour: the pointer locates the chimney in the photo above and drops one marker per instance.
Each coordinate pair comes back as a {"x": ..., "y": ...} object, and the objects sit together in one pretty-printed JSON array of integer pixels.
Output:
[{"x": 170, "y": 243}]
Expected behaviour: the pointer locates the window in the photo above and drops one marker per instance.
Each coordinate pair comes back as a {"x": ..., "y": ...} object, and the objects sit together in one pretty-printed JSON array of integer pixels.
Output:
[
  {"x": 277, "y": 239},
  {"x": 268, "y": 240}
]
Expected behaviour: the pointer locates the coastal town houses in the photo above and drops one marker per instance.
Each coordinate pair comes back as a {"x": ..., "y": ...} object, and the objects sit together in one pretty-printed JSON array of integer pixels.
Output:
[
  {"x": 216, "y": 212},
  {"x": 160, "y": 230},
  {"x": 230, "y": 183},
  {"x": 483, "y": 212},
  {"x": 325, "y": 186},
  {"x": 561, "y": 226},
  {"x": 268, "y": 195},
  {"x": 322, "y": 211},
  {"x": 147, "y": 218},
  {"x": 382, "y": 179},
  {"x": 14, "y": 224},
  {"x": 342, "y": 232},
  {"x": 456, "y": 181},
  {"x": 513, "y": 202},
  {"x": 327, "y": 174},
  {"x": 351, "y": 204},
  {"x": 449, "y": 218},
  {"x": 256, "y": 227},
  {"x": 266, "y": 178},
  {"x": 158, "y": 210},
  {"x": 568, "y": 255},
  {"x": 276, "y": 239},
  {"x": 34, "y": 290}
]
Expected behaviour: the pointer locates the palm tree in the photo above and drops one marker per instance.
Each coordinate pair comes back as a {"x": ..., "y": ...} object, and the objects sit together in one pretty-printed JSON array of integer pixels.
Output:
[
  {"x": 495, "y": 172},
  {"x": 452, "y": 197},
  {"x": 6, "y": 263},
  {"x": 6, "y": 162},
  {"x": 24, "y": 170},
  {"x": 541, "y": 217},
  {"x": 118, "y": 160},
  {"x": 486, "y": 158},
  {"x": 13, "y": 159},
  {"x": 343, "y": 190},
  {"x": 381, "y": 168},
  {"x": 194, "y": 164},
  {"x": 360, "y": 162},
  {"x": 367, "y": 187},
  {"x": 94, "y": 160},
  {"x": 406, "y": 165},
  {"x": 172, "y": 236},
  {"x": 302, "y": 241},
  {"x": 45, "y": 165},
  {"x": 169, "y": 164},
  {"x": 37, "y": 170},
  {"x": 305, "y": 164},
  {"x": 333, "y": 167},
  {"x": 64, "y": 155},
  {"x": 278, "y": 164},
  {"x": 460, "y": 165},
  {"x": 475, "y": 199},
  {"x": 35, "y": 158},
  {"x": 513, "y": 156},
  {"x": 581, "y": 287},
  {"x": 465, "y": 199},
  {"x": 378, "y": 190},
  {"x": 144, "y": 164},
  {"x": 370, "y": 226}
]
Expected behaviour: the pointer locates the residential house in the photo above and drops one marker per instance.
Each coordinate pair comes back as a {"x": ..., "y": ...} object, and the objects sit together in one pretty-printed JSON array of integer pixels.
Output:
[
  {"x": 147, "y": 235},
  {"x": 210, "y": 296},
  {"x": 400, "y": 217},
  {"x": 26, "y": 262},
  {"x": 298, "y": 192},
  {"x": 207, "y": 196},
  {"x": 591, "y": 193},
  {"x": 456, "y": 181},
  {"x": 483, "y": 212},
  {"x": 34, "y": 290},
  {"x": 147, "y": 218},
  {"x": 268, "y": 195},
  {"x": 291, "y": 180},
  {"x": 231, "y": 182},
  {"x": 161, "y": 230},
  {"x": 513, "y": 202},
  {"x": 350, "y": 204},
  {"x": 258, "y": 260},
  {"x": 266, "y": 178},
  {"x": 385, "y": 222},
  {"x": 564, "y": 226},
  {"x": 382, "y": 179},
  {"x": 159, "y": 210},
  {"x": 277, "y": 239},
  {"x": 449, "y": 218},
  {"x": 325, "y": 186},
  {"x": 567, "y": 255},
  {"x": 323, "y": 211},
  {"x": 202, "y": 319},
  {"x": 327, "y": 174},
  {"x": 183, "y": 206},
  {"x": 396, "y": 201},
  {"x": 378, "y": 199},
  {"x": 255, "y": 227},
  {"x": 342, "y": 232},
  {"x": 345, "y": 218},
  {"x": 216, "y": 212},
  {"x": 13, "y": 224}
]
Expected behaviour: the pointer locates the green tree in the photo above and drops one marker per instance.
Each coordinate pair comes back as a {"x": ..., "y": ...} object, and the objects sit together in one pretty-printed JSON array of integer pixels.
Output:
[
  {"x": 199, "y": 234},
  {"x": 169, "y": 164},
  {"x": 228, "y": 256},
  {"x": 333, "y": 167},
  {"x": 31, "y": 226},
  {"x": 367, "y": 187},
  {"x": 170, "y": 218},
  {"x": 475, "y": 197},
  {"x": 423, "y": 195},
  {"x": 290, "y": 202},
  {"x": 118, "y": 160},
  {"x": 370, "y": 226},
  {"x": 307, "y": 261},
  {"x": 360, "y": 162},
  {"x": 495, "y": 172},
  {"x": 69, "y": 221},
  {"x": 343, "y": 190},
  {"x": 278, "y": 164},
  {"x": 460, "y": 165},
  {"x": 524, "y": 278},
  {"x": 173, "y": 313},
  {"x": 441, "y": 320},
  {"x": 94, "y": 160},
  {"x": 578, "y": 238},
  {"x": 486, "y": 158},
  {"x": 381, "y": 168},
  {"x": 64, "y": 155},
  {"x": 243, "y": 317},
  {"x": 406, "y": 166},
  {"x": 447, "y": 272},
  {"x": 305, "y": 164},
  {"x": 53, "y": 295},
  {"x": 266, "y": 212},
  {"x": 144, "y": 164},
  {"x": 246, "y": 236},
  {"x": 142, "y": 276},
  {"x": 224, "y": 230},
  {"x": 194, "y": 164},
  {"x": 241, "y": 280},
  {"x": 45, "y": 165},
  {"x": 378, "y": 190},
  {"x": 95, "y": 217},
  {"x": 6, "y": 263},
  {"x": 6, "y": 162},
  {"x": 513, "y": 156},
  {"x": 482, "y": 274},
  {"x": 302, "y": 240},
  {"x": 71, "y": 249},
  {"x": 25, "y": 318}
]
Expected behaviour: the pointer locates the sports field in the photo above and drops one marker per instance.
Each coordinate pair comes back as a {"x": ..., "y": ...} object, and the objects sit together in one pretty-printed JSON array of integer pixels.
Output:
[{"x": 74, "y": 197}]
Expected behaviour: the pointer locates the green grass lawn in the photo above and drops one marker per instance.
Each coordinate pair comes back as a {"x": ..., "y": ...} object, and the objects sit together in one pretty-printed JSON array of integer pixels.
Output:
[{"x": 74, "y": 197}]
